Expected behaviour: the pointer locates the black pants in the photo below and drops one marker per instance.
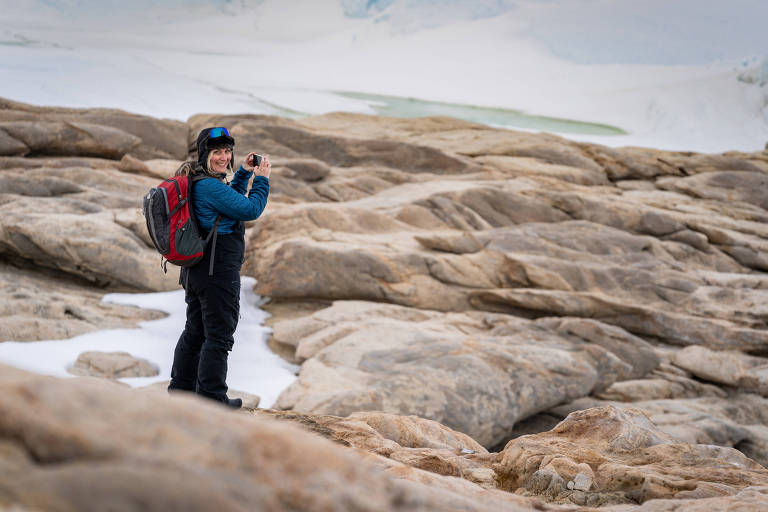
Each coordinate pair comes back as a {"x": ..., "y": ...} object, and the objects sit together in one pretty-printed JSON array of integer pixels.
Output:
[{"x": 213, "y": 308}]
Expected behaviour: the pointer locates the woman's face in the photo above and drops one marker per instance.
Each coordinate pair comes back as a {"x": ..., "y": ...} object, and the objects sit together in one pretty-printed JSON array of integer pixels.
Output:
[{"x": 220, "y": 159}]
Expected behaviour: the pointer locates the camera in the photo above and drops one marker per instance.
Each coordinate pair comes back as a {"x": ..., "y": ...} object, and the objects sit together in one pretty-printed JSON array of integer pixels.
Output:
[{"x": 256, "y": 160}]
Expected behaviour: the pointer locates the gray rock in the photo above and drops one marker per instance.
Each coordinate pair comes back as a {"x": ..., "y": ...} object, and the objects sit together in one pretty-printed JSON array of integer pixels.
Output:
[
  {"x": 46, "y": 305},
  {"x": 734, "y": 369},
  {"x": 67, "y": 138},
  {"x": 306, "y": 169},
  {"x": 478, "y": 374}
]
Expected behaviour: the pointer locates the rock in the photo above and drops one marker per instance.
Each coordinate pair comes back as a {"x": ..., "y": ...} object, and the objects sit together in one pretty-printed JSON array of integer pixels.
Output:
[
  {"x": 474, "y": 373},
  {"x": 658, "y": 388},
  {"x": 112, "y": 365},
  {"x": 735, "y": 369},
  {"x": 132, "y": 165},
  {"x": 53, "y": 162},
  {"x": 66, "y": 138},
  {"x": 290, "y": 139},
  {"x": 91, "y": 242},
  {"x": 250, "y": 401},
  {"x": 44, "y": 305},
  {"x": 475, "y": 276},
  {"x": 159, "y": 138},
  {"x": 752, "y": 498},
  {"x": 10, "y": 145},
  {"x": 527, "y": 166},
  {"x": 466, "y": 243},
  {"x": 162, "y": 168},
  {"x": 638, "y": 354},
  {"x": 730, "y": 186},
  {"x": 306, "y": 169},
  {"x": 151, "y": 449},
  {"x": 583, "y": 480},
  {"x": 633, "y": 461},
  {"x": 678, "y": 329},
  {"x": 732, "y": 421},
  {"x": 90, "y": 246}
]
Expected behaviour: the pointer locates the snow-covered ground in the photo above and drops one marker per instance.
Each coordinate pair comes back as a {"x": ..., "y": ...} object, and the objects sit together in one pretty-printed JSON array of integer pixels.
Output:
[
  {"x": 688, "y": 74},
  {"x": 253, "y": 367}
]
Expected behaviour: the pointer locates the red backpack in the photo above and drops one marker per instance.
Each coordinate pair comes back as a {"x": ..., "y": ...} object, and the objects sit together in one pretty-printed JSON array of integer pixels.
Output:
[{"x": 171, "y": 222}]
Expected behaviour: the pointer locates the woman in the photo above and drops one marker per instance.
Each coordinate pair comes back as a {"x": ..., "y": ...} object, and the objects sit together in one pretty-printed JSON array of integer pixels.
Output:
[{"x": 213, "y": 287}]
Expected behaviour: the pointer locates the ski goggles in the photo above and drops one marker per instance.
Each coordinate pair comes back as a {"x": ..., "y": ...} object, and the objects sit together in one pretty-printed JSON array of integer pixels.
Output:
[{"x": 218, "y": 132}]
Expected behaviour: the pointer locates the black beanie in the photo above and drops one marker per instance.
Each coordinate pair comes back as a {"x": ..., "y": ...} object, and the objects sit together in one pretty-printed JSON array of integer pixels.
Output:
[{"x": 205, "y": 144}]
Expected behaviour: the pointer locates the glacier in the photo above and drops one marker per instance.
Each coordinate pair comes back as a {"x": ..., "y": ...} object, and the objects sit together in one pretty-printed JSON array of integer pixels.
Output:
[{"x": 684, "y": 75}]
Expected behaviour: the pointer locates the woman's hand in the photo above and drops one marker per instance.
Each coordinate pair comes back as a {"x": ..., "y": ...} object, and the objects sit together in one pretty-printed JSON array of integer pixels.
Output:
[
  {"x": 248, "y": 162},
  {"x": 265, "y": 168}
]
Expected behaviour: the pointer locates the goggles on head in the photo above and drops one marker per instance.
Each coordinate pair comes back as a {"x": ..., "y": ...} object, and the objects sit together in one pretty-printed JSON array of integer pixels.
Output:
[{"x": 218, "y": 132}]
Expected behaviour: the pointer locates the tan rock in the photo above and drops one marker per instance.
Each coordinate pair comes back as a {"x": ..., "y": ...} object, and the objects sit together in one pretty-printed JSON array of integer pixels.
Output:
[
  {"x": 306, "y": 169},
  {"x": 112, "y": 365},
  {"x": 658, "y": 388},
  {"x": 250, "y": 401},
  {"x": 66, "y": 138},
  {"x": 159, "y": 138},
  {"x": 625, "y": 459},
  {"x": 679, "y": 329},
  {"x": 132, "y": 165},
  {"x": 478, "y": 374},
  {"x": 45, "y": 305},
  {"x": 730, "y": 421},
  {"x": 89, "y": 246},
  {"x": 734, "y": 369},
  {"x": 162, "y": 168},
  {"x": 113, "y": 447}
]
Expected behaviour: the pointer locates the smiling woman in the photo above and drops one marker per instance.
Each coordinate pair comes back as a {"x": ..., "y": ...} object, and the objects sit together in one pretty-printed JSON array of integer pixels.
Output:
[
  {"x": 220, "y": 160},
  {"x": 212, "y": 286}
]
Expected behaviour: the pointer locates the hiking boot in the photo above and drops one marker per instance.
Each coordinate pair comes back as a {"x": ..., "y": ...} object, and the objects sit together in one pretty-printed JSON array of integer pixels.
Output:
[{"x": 234, "y": 403}]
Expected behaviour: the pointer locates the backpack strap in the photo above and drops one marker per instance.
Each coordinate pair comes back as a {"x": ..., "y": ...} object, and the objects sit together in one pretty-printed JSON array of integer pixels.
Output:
[
  {"x": 181, "y": 201},
  {"x": 214, "y": 232}
]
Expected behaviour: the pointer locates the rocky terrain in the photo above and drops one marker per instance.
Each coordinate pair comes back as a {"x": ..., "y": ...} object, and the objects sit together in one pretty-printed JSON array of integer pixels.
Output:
[{"x": 485, "y": 319}]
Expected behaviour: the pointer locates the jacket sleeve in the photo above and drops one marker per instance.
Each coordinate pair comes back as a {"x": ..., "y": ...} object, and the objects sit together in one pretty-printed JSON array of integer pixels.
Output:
[
  {"x": 235, "y": 205},
  {"x": 240, "y": 180}
]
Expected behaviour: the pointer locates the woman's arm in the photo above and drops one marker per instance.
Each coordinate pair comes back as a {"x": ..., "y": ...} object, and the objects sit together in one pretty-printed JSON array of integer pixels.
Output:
[
  {"x": 232, "y": 203},
  {"x": 240, "y": 180}
]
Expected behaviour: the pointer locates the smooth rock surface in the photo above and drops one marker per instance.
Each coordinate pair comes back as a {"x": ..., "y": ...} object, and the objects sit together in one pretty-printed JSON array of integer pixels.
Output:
[
  {"x": 112, "y": 365},
  {"x": 490, "y": 280},
  {"x": 90, "y": 445}
]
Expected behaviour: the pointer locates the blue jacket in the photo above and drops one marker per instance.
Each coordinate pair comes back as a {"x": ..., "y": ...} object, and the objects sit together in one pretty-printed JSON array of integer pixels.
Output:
[{"x": 211, "y": 197}]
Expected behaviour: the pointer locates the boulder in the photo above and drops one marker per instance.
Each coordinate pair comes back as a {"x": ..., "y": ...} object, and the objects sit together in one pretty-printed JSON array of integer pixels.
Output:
[
  {"x": 157, "y": 138},
  {"x": 90, "y": 246},
  {"x": 68, "y": 138},
  {"x": 478, "y": 374},
  {"x": 306, "y": 169},
  {"x": 289, "y": 139},
  {"x": 250, "y": 401},
  {"x": 733, "y": 369},
  {"x": 36, "y": 304},
  {"x": 735, "y": 420},
  {"x": 90, "y": 445},
  {"x": 112, "y": 365},
  {"x": 85, "y": 222},
  {"x": 606, "y": 456},
  {"x": 727, "y": 186}
]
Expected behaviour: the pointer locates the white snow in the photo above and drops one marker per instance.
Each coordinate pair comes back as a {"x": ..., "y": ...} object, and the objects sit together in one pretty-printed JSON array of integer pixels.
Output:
[
  {"x": 253, "y": 367},
  {"x": 673, "y": 75}
]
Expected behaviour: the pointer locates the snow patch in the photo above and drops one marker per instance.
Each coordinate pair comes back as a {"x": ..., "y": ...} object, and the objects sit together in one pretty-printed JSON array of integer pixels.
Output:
[{"x": 253, "y": 367}]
